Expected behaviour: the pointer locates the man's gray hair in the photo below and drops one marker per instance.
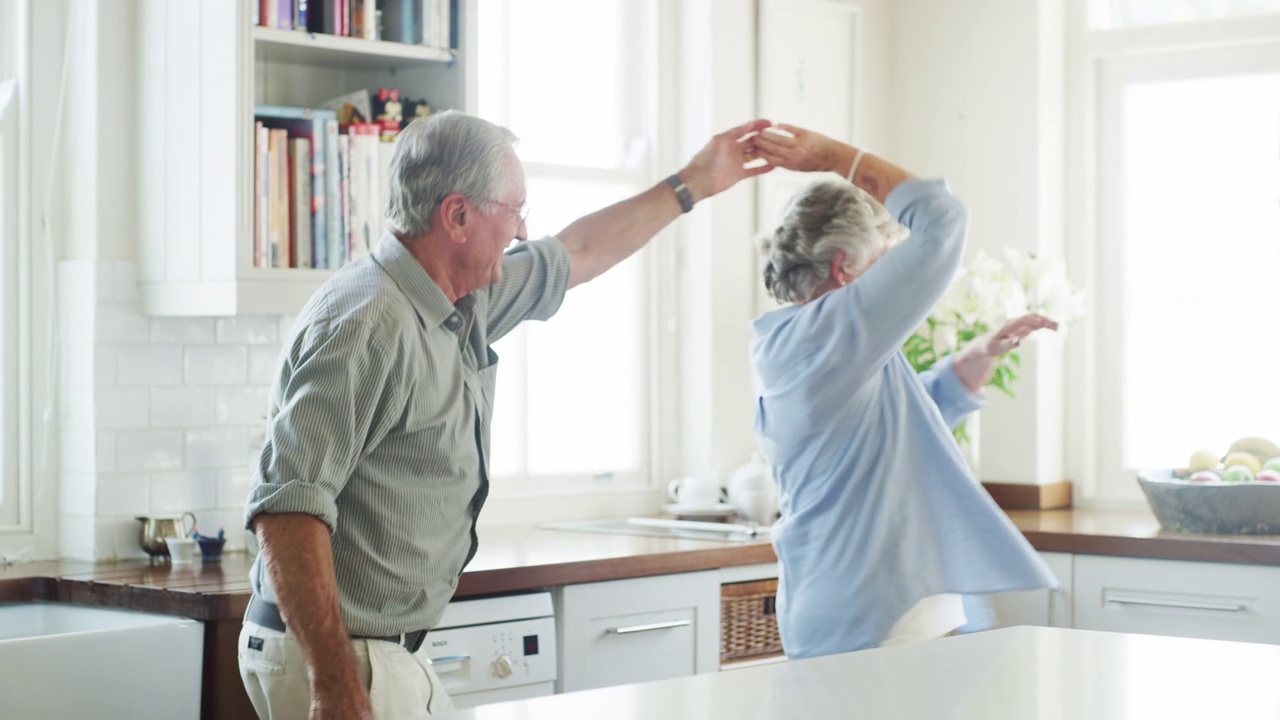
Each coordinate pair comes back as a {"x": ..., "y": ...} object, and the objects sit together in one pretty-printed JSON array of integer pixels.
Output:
[
  {"x": 826, "y": 216},
  {"x": 449, "y": 152}
]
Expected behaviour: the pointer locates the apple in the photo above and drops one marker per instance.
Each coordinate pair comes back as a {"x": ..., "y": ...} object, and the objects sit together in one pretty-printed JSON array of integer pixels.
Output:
[
  {"x": 1272, "y": 464},
  {"x": 1237, "y": 474},
  {"x": 1269, "y": 476},
  {"x": 1204, "y": 476}
]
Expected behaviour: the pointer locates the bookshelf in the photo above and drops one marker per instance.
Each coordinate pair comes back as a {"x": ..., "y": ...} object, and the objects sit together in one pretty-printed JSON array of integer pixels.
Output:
[{"x": 203, "y": 68}]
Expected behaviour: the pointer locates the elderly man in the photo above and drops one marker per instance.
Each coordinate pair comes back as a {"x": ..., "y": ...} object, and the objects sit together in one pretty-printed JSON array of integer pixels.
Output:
[{"x": 375, "y": 465}]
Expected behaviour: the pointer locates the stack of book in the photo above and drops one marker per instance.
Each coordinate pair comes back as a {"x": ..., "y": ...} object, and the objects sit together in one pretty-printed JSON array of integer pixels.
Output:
[
  {"x": 417, "y": 22},
  {"x": 319, "y": 189}
]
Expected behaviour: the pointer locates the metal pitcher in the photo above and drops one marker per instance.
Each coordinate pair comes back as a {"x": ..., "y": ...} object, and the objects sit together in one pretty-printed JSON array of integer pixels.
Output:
[{"x": 155, "y": 529}]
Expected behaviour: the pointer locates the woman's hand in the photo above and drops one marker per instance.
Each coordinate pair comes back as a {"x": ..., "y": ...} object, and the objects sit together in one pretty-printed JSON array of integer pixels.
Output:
[
  {"x": 977, "y": 362},
  {"x": 803, "y": 150}
]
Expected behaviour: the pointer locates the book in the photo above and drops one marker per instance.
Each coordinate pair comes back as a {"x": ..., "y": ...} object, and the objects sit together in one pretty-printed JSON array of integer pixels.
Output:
[
  {"x": 300, "y": 202},
  {"x": 311, "y": 124},
  {"x": 335, "y": 229},
  {"x": 278, "y": 238},
  {"x": 398, "y": 20},
  {"x": 261, "y": 195}
]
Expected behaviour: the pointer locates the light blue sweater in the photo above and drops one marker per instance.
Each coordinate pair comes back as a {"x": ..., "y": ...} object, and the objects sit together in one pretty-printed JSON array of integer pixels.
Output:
[{"x": 879, "y": 509}]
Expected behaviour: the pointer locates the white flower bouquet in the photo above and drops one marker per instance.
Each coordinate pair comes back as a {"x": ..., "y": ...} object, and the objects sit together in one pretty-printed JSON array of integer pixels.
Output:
[{"x": 986, "y": 294}]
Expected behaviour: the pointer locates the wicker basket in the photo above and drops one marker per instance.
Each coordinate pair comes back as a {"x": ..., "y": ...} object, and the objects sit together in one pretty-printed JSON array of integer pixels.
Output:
[{"x": 748, "y": 621}]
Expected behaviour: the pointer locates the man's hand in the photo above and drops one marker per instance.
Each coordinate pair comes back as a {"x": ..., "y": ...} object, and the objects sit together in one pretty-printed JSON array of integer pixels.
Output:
[
  {"x": 719, "y": 165},
  {"x": 977, "y": 362},
  {"x": 802, "y": 150}
]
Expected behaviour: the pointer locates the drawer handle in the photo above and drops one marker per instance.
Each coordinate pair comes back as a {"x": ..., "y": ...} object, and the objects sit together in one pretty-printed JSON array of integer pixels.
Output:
[
  {"x": 649, "y": 627},
  {"x": 1188, "y": 604},
  {"x": 445, "y": 660}
]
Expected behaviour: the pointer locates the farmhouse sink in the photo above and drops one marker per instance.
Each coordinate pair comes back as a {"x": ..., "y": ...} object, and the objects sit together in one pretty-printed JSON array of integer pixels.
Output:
[{"x": 64, "y": 661}]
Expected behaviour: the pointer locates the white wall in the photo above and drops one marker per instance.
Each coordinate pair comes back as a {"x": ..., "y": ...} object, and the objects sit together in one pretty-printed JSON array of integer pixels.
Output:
[{"x": 977, "y": 95}]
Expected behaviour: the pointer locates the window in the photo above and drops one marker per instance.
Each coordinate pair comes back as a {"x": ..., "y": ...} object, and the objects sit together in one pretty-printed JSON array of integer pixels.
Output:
[
  {"x": 1187, "y": 252},
  {"x": 27, "y": 481},
  {"x": 574, "y": 400}
]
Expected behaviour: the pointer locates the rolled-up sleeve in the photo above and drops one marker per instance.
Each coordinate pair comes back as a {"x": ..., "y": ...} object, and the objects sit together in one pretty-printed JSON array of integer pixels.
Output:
[
  {"x": 949, "y": 394},
  {"x": 338, "y": 398},
  {"x": 535, "y": 277}
]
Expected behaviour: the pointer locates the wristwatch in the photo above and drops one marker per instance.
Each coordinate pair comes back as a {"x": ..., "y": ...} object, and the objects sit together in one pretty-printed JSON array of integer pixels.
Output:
[{"x": 682, "y": 192}]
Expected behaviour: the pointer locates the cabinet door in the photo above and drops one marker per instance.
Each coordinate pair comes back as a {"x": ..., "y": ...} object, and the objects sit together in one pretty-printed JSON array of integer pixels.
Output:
[
  {"x": 629, "y": 631},
  {"x": 1038, "y": 607},
  {"x": 1218, "y": 601}
]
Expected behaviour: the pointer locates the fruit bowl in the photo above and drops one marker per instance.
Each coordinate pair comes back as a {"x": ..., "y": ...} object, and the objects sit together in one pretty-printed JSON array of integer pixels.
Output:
[{"x": 1223, "y": 508}]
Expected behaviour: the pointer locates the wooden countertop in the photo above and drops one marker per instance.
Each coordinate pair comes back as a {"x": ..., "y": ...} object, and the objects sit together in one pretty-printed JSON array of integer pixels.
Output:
[{"x": 521, "y": 557}]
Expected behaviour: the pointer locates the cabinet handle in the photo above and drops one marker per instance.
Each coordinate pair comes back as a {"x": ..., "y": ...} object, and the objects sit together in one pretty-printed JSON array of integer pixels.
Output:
[
  {"x": 647, "y": 628},
  {"x": 1187, "y": 604}
]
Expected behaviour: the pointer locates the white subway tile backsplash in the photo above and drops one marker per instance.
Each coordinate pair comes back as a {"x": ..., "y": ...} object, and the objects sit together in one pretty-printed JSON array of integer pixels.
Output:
[
  {"x": 104, "y": 366},
  {"x": 75, "y": 450},
  {"x": 158, "y": 416},
  {"x": 219, "y": 365},
  {"x": 193, "y": 491},
  {"x": 285, "y": 323},
  {"x": 242, "y": 406},
  {"x": 124, "y": 494},
  {"x": 76, "y": 539},
  {"x": 215, "y": 448},
  {"x": 149, "y": 365},
  {"x": 77, "y": 492},
  {"x": 233, "y": 488},
  {"x": 264, "y": 362},
  {"x": 105, "y": 452},
  {"x": 117, "y": 538},
  {"x": 120, "y": 323},
  {"x": 149, "y": 450},
  {"x": 122, "y": 408},
  {"x": 183, "y": 331},
  {"x": 182, "y": 407},
  {"x": 247, "y": 330}
]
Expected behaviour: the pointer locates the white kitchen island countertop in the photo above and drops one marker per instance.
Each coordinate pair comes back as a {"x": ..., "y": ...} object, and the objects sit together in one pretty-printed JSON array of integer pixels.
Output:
[{"x": 1022, "y": 673}]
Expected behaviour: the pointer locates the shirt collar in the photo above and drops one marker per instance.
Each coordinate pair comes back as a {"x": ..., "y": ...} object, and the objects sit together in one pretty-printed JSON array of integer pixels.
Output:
[{"x": 406, "y": 272}]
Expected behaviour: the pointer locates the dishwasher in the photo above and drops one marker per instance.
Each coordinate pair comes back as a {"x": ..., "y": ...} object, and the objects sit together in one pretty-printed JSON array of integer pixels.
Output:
[{"x": 495, "y": 649}]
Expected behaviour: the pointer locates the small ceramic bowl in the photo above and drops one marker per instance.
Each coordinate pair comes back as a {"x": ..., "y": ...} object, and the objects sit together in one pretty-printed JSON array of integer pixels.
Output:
[{"x": 211, "y": 547}]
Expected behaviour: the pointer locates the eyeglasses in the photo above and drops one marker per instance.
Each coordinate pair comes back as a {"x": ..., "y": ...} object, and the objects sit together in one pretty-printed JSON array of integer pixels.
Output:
[{"x": 521, "y": 214}]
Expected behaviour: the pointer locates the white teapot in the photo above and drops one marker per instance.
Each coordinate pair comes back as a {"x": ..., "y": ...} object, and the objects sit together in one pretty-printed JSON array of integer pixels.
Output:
[{"x": 753, "y": 493}]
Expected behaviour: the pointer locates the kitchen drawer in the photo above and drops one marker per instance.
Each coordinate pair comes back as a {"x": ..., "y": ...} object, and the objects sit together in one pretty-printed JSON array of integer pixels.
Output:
[
  {"x": 1038, "y": 607},
  {"x": 1189, "y": 599},
  {"x": 629, "y": 631}
]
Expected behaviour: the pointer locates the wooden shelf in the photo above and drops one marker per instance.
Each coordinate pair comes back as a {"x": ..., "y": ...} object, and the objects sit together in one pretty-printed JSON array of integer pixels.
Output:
[{"x": 304, "y": 48}]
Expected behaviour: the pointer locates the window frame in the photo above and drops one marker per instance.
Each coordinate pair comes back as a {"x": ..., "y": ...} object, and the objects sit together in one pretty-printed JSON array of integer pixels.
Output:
[
  {"x": 658, "y": 260},
  {"x": 1100, "y": 61},
  {"x": 28, "y": 527}
]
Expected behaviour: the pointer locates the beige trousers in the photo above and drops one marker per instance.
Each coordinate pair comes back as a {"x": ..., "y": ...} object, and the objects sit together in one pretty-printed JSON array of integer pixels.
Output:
[
  {"x": 933, "y": 617},
  {"x": 400, "y": 685}
]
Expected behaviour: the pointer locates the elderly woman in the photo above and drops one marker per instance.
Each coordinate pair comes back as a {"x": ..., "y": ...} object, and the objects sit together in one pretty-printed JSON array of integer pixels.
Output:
[{"x": 883, "y": 528}]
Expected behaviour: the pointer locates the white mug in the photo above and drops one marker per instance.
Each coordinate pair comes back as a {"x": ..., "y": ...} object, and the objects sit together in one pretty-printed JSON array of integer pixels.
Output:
[
  {"x": 695, "y": 492},
  {"x": 182, "y": 551}
]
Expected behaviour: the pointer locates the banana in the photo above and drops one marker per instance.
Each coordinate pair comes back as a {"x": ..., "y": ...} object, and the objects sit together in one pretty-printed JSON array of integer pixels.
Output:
[
  {"x": 1242, "y": 459},
  {"x": 1261, "y": 448}
]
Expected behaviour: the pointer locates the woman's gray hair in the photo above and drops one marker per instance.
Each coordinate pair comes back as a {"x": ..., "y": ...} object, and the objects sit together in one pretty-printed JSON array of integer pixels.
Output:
[
  {"x": 448, "y": 152},
  {"x": 826, "y": 216}
]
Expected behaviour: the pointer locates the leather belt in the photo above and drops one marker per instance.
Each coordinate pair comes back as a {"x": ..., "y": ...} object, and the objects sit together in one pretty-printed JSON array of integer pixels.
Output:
[{"x": 268, "y": 616}]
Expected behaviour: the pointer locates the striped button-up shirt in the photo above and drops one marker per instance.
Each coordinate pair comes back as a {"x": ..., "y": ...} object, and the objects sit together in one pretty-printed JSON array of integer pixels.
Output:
[{"x": 378, "y": 425}]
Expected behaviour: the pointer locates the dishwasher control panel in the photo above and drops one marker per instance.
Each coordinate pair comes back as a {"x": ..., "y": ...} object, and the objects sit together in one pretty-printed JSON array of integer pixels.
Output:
[{"x": 483, "y": 645}]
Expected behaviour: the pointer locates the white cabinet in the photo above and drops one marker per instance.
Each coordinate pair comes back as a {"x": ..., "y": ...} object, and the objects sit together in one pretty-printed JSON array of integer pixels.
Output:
[
  {"x": 637, "y": 630},
  {"x": 1218, "y": 601},
  {"x": 1039, "y": 607},
  {"x": 202, "y": 67}
]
